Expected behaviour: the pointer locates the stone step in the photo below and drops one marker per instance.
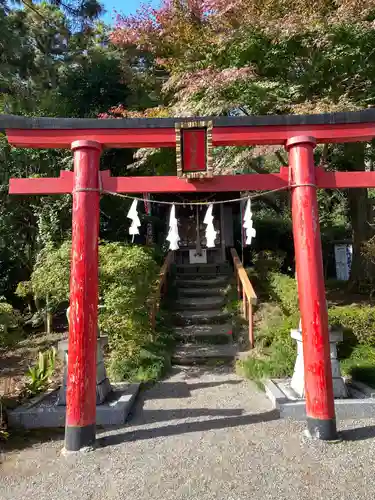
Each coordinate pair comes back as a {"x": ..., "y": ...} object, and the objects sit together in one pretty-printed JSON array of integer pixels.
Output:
[
  {"x": 200, "y": 303},
  {"x": 200, "y": 292},
  {"x": 198, "y": 353},
  {"x": 201, "y": 269},
  {"x": 201, "y": 332},
  {"x": 212, "y": 316},
  {"x": 201, "y": 276},
  {"x": 202, "y": 282}
]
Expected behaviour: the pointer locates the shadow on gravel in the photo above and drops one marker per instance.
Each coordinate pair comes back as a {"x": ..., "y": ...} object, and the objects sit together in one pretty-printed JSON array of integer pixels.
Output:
[
  {"x": 153, "y": 416},
  {"x": 187, "y": 427},
  {"x": 168, "y": 390},
  {"x": 20, "y": 439},
  {"x": 358, "y": 434},
  {"x": 197, "y": 371},
  {"x": 205, "y": 385}
]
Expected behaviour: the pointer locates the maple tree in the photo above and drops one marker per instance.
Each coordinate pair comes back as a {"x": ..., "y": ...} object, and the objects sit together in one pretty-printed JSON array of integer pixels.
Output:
[
  {"x": 269, "y": 56},
  {"x": 259, "y": 57}
]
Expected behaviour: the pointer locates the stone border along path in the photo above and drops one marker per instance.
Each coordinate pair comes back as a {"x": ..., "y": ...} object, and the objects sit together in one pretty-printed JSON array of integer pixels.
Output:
[{"x": 201, "y": 434}]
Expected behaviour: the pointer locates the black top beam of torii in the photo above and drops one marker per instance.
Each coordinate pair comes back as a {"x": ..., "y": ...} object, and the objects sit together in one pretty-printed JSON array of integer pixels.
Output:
[{"x": 337, "y": 118}]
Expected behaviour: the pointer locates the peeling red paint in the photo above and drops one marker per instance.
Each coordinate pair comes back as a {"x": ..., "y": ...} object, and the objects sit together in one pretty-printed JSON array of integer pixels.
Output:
[
  {"x": 81, "y": 386},
  {"x": 309, "y": 266}
]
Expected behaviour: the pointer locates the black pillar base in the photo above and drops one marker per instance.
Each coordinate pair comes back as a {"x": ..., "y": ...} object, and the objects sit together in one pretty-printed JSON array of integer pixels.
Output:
[
  {"x": 322, "y": 429},
  {"x": 77, "y": 438}
]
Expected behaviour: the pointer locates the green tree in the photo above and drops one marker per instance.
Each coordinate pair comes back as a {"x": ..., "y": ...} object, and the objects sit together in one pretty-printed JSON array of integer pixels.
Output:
[
  {"x": 128, "y": 274},
  {"x": 49, "y": 69}
]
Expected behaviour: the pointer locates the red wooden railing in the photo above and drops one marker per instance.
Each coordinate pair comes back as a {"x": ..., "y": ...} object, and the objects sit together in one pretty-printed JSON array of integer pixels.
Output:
[
  {"x": 161, "y": 287},
  {"x": 246, "y": 292}
]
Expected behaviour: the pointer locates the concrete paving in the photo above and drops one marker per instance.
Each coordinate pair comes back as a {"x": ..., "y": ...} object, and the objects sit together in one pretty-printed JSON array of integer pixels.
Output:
[{"x": 201, "y": 434}]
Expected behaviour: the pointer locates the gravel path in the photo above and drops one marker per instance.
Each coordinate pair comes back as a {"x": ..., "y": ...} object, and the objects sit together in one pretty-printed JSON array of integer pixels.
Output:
[{"x": 200, "y": 436}]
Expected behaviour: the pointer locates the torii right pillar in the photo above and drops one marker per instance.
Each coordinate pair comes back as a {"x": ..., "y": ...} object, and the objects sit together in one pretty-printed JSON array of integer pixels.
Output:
[{"x": 320, "y": 409}]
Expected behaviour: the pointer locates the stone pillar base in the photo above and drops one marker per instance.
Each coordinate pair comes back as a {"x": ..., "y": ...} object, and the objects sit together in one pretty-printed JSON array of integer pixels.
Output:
[
  {"x": 298, "y": 379},
  {"x": 103, "y": 386}
]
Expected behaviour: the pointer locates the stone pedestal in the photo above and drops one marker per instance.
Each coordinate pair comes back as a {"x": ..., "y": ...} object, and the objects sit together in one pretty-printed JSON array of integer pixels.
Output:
[
  {"x": 103, "y": 386},
  {"x": 298, "y": 379}
]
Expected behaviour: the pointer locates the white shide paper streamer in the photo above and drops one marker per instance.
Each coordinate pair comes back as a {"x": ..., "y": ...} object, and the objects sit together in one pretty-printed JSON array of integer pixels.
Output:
[
  {"x": 210, "y": 230},
  {"x": 133, "y": 216},
  {"x": 248, "y": 223},
  {"x": 173, "y": 236}
]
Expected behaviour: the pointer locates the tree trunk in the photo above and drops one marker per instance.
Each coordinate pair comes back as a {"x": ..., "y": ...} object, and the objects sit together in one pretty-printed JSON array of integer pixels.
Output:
[
  {"x": 37, "y": 303},
  {"x": 354, "y": 160},
  {"x": 358, "y": 208},
  {"x": 49, "y": 323},
  {"x": 48, "y": 316}
]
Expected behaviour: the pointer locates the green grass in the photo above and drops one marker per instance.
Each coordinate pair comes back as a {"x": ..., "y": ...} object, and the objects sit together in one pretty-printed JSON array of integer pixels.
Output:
[
  {"x": 278, "y": 361},
  {"x": 275, "y": 351},
  {"x": 360, "y": 365}
]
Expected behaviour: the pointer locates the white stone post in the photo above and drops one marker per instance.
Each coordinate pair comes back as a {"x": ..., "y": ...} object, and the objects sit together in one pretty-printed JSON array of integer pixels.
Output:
[{"x": 298, "y": 379}]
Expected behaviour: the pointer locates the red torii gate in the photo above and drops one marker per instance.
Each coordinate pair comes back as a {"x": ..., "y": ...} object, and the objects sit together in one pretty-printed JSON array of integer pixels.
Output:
[{"x": 88, "y": 137}]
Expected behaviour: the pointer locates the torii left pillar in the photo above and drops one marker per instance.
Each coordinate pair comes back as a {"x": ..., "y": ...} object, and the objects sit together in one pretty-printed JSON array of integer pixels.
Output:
[{"x": 81, "y": 384}]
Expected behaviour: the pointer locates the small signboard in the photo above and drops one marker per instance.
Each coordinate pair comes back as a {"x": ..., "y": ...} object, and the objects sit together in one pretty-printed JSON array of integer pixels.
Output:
[
  {"x": 196, "y": 258},
  {"x": 194, "y": 149},
  {"x": 343, "y": 260}
]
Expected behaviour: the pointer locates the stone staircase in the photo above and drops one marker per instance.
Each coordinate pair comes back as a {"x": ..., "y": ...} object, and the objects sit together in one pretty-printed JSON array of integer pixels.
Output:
[{"x": 202, "y": 325}]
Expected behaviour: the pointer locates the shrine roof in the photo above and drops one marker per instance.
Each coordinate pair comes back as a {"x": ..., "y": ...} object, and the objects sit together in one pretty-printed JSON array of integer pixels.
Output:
[{"x": 344, "y": 118}]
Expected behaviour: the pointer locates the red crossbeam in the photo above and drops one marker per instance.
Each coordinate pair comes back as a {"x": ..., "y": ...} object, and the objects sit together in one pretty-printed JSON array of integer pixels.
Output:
[
  {"x": 43, "y": 185},
  {"x": 166, "y": 137},
  {"x": 172, "y": 184},
  {"x": 342, "y": 180}
]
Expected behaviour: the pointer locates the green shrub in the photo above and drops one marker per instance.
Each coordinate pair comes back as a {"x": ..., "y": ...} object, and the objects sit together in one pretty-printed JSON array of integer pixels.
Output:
[
  {"x": 267, "y": 319},
  {"x": 276, "y": 360},
  {"x": 360, "y": 365},
  {"x": 144, "y": 366},
  {"x": 356, "y": 318},
  {"x": 24, "y": 289},
  {"x": 10, "y": 322},
  {"x": 127, "y": 278},
  {"x": 274, "y": 233},
  {"x": 39, "y": 375},
  {"x": 51, "y": 275},
  {"x": 283, "y": 289},
  {"x": 276, "y": 351},
  {"x": 267, "y": 261},
  {"x": 264, "y": 263},
  {"x": 128, "y": 275}
]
